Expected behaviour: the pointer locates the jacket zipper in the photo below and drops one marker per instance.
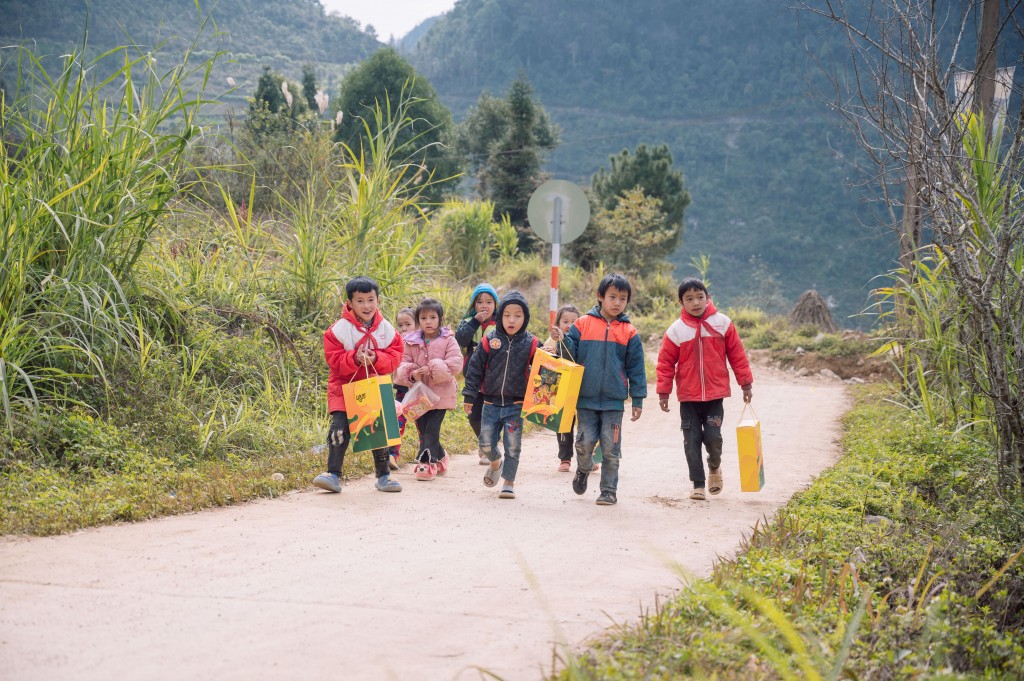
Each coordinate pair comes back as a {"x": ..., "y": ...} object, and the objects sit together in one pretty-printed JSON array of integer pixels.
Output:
[
  {"x": 504, "y": 375},
  {"x": 700, "y": 358}
]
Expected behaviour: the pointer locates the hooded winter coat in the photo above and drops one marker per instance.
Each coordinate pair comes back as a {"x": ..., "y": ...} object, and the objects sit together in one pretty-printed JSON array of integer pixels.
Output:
[
  {"x": 340, "y": 344},
  {"x": 467, "y": 334},
  {"x": 499, "y": 368},
  {"x": 612, "y": 358},
  {"x": 441, "y": 356},
  {"x": 696, "y": 352}
]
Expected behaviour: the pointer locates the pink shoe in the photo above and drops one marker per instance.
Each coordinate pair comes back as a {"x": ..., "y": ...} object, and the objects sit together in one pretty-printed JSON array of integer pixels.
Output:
[
  {"x": 442, "y": 465},
  {"x": 564, "y": 467},
  {"x": 426, "y": 471}
]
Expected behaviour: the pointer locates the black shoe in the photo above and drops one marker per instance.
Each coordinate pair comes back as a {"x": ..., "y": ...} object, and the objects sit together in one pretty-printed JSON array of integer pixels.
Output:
[
  {"x": 606, "y": 499},
  {"x": 579, "y": 481}
]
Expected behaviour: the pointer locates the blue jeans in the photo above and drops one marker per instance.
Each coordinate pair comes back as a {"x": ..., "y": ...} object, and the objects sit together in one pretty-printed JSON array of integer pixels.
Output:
[
  {"x": 508, "y": 421},
  {"x": 604, "y": 427}
]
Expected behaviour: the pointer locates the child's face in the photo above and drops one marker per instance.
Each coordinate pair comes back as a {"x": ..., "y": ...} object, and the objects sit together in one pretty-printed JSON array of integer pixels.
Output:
[
  {"x": 405, "y": 323},
  {"x": 566, "y": 321},
  {"x": 512, "y": 318},
  {"x": 364, "y": 305},
  {"x": 695, "y": 302},
  {"x": 429, "y": 323},
  {"x": 613, "y": 302},
  {"x": 484, "y": 303}
]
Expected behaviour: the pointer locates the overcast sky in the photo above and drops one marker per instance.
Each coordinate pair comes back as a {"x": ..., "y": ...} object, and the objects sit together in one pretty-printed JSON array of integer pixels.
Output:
[{"x": 389, "y": 17}]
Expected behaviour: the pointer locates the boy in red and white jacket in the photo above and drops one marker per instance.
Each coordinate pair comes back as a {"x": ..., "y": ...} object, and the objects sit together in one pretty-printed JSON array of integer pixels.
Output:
[
  {"x": 359, "y": 345},
  {"x": 696, "y": 353}
]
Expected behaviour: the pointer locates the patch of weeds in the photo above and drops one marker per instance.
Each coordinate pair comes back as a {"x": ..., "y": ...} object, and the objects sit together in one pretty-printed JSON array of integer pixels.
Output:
[{"x": 899, "y": 562}]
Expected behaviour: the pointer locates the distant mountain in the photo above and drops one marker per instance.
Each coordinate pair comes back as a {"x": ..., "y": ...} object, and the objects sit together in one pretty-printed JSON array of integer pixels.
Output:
[
  {"x": 725, "y": 84},
  {"x": 410, "y": 40},
  {"x": 284, "y": 34}
]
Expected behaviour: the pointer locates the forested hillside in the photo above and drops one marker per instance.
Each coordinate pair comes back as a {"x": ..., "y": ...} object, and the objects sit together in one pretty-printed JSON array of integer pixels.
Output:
[
  {"x": 284, "y": 34},
  {"x": 726, "y": 85}
]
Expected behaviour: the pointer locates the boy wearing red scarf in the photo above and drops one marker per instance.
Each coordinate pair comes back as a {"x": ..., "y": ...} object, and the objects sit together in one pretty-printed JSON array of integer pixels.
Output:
[
  {"x": 359, "y": 345},
  {"x": 696, "y": 352}
]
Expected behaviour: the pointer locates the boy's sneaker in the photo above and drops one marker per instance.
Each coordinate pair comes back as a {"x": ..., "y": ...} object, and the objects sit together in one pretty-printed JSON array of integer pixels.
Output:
[
  {"x": 386, "y": 484},
  {"x": 327, "y": 481},
  {"x": 442, "y": 465},
  {"x": 607, "y": 499},
  {"x": 579, "y": 481},
  {"x": 564, "y": 467}
]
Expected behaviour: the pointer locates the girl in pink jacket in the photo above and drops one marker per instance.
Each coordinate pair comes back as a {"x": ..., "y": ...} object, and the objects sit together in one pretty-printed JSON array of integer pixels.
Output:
[{"x": 432, "y": 356}]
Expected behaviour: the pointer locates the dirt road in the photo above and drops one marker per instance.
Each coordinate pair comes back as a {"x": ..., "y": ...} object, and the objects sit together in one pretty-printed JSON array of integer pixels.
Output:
[{"x": 439, "y": 582}]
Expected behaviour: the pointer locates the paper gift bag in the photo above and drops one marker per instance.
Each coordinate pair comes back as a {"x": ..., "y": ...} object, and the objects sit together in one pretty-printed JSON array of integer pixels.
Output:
[
  {"x": 372, "y": 416},
  {"x": 552, "y": 391},
  {"x": 748, "y": 441}
]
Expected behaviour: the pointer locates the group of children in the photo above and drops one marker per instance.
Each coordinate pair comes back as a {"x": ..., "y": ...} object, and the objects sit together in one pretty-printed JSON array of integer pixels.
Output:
[{"x": 494, "y": 349}]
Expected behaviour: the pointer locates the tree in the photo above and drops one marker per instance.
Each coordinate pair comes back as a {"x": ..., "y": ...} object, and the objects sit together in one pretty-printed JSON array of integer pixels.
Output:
[
  {"x": 309, "y": 87},
  {"x": 921, "y": 107},
  {"x": 651, "y": 171},
  {"x": 633, "y": 236},
  {"x": 276, "y": 106},
  {"x": 385, "y": 78},
  {"x": 487, "y": 123}
]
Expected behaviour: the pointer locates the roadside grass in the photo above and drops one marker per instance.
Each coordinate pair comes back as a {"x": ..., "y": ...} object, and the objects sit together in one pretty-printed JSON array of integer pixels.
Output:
[{"x": 900, "y": 562}]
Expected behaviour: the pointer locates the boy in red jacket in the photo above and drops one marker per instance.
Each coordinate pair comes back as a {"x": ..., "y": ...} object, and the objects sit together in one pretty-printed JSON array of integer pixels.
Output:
[
  {"x": 696, "y": 352},
  {"x": 359, "y": 345}
]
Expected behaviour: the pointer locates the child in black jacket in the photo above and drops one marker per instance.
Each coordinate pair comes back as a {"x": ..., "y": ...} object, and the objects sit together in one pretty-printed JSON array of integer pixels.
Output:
[{"x": 499, "y": 370}]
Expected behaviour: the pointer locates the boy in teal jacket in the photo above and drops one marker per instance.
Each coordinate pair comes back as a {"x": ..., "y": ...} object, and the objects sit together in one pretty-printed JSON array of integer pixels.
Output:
[{"x": 607, "y": 345}]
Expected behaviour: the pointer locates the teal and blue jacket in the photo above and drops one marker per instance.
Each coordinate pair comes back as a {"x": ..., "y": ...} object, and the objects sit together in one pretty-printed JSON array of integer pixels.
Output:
[{"x": 613, "y": 361}]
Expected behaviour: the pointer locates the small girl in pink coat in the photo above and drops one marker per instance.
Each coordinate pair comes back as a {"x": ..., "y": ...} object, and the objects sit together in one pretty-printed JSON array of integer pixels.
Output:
[{"x": 432, "y": 356}]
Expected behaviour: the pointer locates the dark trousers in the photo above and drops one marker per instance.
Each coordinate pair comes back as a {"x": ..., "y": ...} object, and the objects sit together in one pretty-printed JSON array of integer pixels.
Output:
[
  {"x": 701, "y": 423},
  {"x": 476, "y": 414},
  {"x": 337, "y": 444},
  {"x": 566, "y": 441},
  {"x": 429, "y": 427}
]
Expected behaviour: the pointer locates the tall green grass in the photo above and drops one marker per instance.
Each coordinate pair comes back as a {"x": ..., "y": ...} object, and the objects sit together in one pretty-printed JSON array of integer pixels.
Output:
[{"x": 94, "y": 156}]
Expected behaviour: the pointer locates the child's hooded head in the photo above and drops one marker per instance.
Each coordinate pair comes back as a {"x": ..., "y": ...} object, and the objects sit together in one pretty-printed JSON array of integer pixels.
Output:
[
  {"x": 513, "y": 313},
  {"x": 485, "y": 297}
]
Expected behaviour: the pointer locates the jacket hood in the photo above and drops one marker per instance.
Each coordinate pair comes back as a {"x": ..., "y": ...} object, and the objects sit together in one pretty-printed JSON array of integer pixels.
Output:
[
  {"x": 596, "y": 312},
  {"x": 517, "y": 298},
  {"x": 481, "y": 288},
  {"x": 350, "y": 314},
  {"x": 693, "y": 321},
  {"x": 416, "y": 337}
]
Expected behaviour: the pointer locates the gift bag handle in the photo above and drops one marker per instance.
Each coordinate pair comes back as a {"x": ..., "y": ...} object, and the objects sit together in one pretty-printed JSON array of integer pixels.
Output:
[
  {"x": 565, "y": 348},
  {"x": 372, "y": 366},
  {"x": 748, "y": 405}
]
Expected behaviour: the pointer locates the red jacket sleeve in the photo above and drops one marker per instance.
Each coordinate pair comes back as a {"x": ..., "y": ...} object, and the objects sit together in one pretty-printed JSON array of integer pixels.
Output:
[
  {"x": 342, "y": 362},
  {"x": 738, "y": 357},
  {"x": 390, "y": 357},
  {"x": 668, "y": 358}
]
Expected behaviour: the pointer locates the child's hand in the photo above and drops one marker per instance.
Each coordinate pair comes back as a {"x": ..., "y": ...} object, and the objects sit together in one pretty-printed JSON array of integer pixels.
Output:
[
  {"x": 748, "y": 395},
  {"x": 467, "y": 407},
  {"x": 663, "y": 403},
  {"x": 482, "y": 316},
  {"x": 421, "y": 373},
  {"x": 556, "y": 333},
  {"x": 636, "y": 413}
]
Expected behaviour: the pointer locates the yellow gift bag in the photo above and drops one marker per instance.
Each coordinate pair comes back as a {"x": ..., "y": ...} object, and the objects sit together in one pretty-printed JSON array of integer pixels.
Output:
[
  {"x": 552, "y": 391},
  {"x": 748, "y": 441},
  {"x": 372, "y": 415}
]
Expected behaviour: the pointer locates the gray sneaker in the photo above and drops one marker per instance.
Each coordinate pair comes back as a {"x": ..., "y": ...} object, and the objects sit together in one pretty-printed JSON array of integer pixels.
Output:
[
  {"x": 606, "y": 499},
  {"x": 386, "y": 484},
  {"x": 327, "y": 481}
]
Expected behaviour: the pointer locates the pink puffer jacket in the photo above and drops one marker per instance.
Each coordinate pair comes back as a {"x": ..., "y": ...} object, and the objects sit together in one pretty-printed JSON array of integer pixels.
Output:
[{"x": 441, "y": 355}]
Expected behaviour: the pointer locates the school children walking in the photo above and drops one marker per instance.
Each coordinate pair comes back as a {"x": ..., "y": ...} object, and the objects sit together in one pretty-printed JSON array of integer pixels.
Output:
[
  {"x": 497, "y": 376},
  {"x": 431, "y": 356},
  {"x": 359, "y": 345},
  {"x": 607, "y": 345},
  {"x": 478, "y": 318},
  {"x": 564, "y": 318},
  {"x": 695, "y": 354}
]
